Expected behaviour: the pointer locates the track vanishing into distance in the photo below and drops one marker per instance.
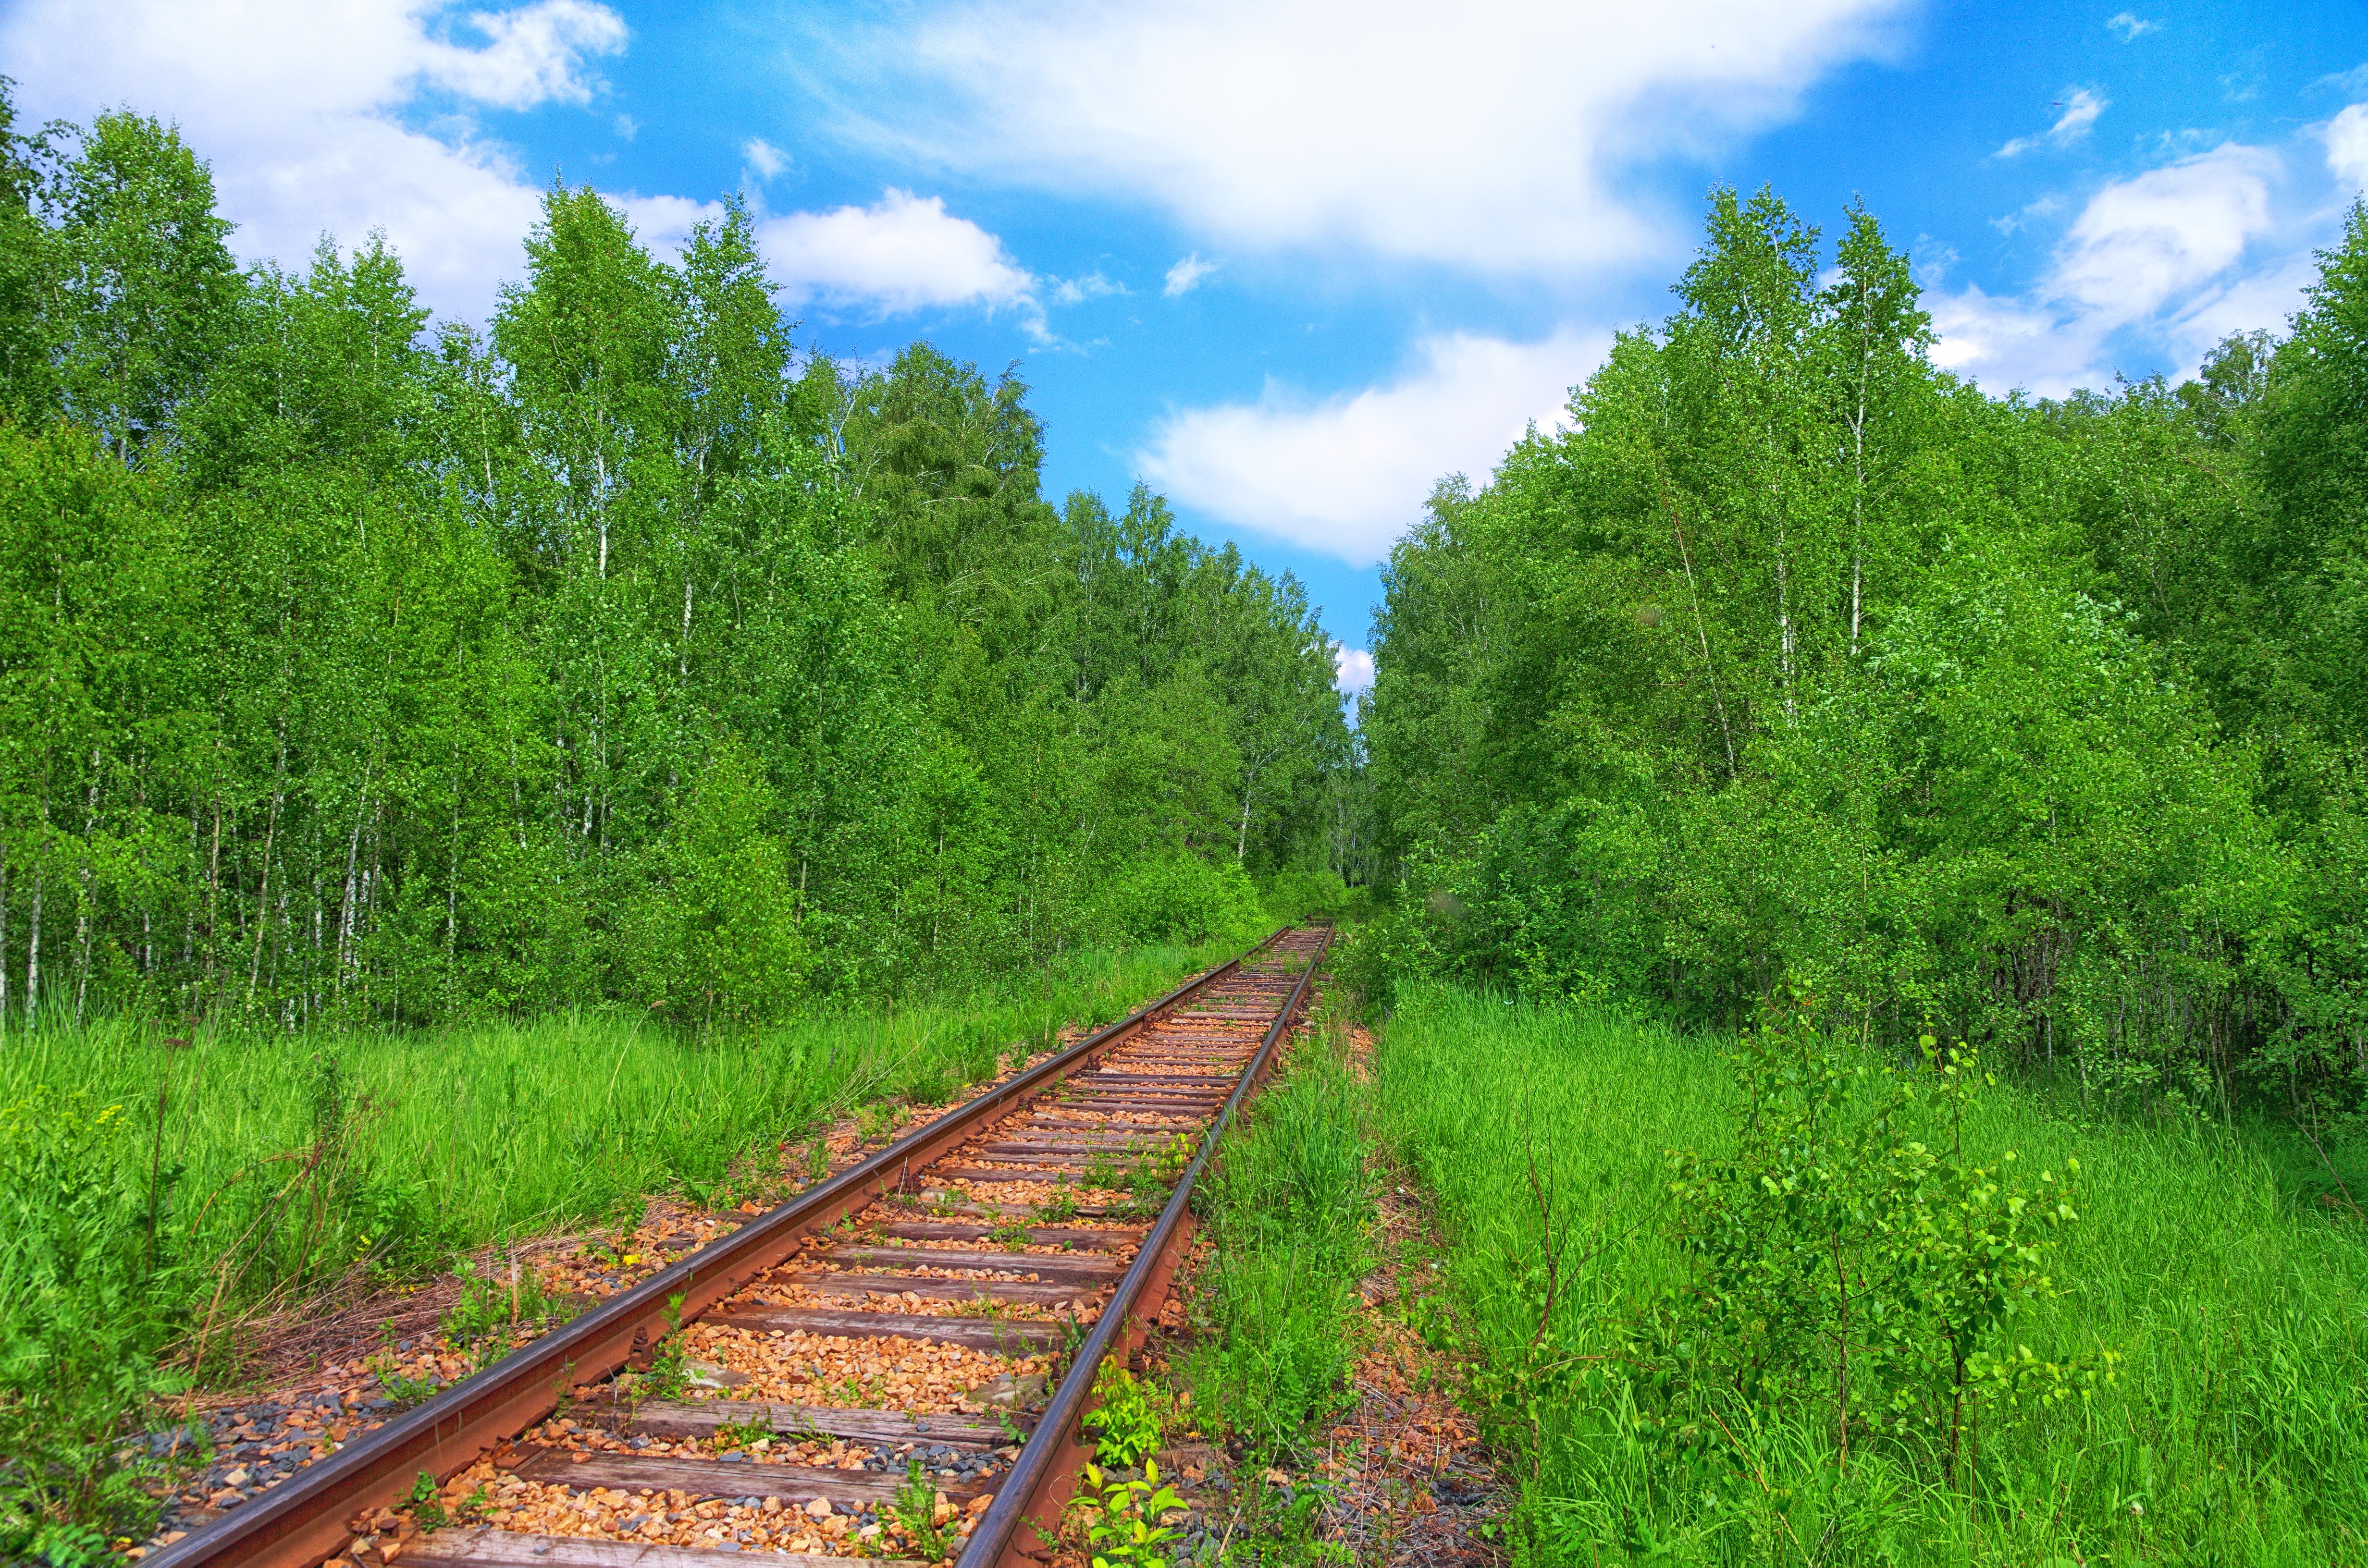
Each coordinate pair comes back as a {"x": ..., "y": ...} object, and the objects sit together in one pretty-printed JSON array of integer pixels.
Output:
[{"x": 910, "y": 1311}]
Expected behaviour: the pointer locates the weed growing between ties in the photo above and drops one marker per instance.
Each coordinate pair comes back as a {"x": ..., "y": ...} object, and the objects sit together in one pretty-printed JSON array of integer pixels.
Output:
[{"x": 1852, "y": 1329}]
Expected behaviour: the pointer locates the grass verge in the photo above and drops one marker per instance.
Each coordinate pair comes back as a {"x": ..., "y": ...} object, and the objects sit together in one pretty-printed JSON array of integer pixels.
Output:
[
  {"x": 2234, "y": 1431},
  {"x": 155, "y": 1188}
]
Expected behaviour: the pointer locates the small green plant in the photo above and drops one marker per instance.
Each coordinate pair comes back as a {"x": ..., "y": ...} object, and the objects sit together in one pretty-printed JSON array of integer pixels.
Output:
[
  {"x": 915, "y": 1507},
  {"x": 403, "y": 1390},
  {"x": 1011, "y": 1235},
  {"x": 667, "y": 1374},
  {"x": 492, "y": 1308},
  {"x": 1127, "y": 1533},
  {"x": 1125, "y": 1426},
  {"x": 758, "y": 1429},
  {"x": 427, "y": 1503},
  {"x": 1058, "y": 1209}
]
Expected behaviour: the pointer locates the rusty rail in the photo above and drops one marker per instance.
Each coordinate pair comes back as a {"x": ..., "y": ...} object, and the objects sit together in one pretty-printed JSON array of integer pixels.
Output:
[
  {"x": 1038, "y": 1486},
  {"x": 304, "y": 1520}
]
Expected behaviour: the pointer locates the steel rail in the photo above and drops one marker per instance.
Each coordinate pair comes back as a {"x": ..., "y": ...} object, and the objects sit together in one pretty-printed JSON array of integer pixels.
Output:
[
  {"x": 1037, "y": 1487},
  {"x": 303, "y": 1520}
]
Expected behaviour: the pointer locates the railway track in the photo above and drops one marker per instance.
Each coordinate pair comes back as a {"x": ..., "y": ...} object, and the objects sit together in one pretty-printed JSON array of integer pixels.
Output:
[{"x": 880, "y": 1348}]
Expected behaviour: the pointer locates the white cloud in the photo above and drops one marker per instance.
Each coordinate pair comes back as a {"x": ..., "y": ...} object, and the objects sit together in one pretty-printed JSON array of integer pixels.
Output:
[
  {"x": 1352, "y": 669},
  {"x": 628, "y": 127},
  {"x": 761, "y": 155},
  {"x": 901, "y": 254},
  {"x": 1493, "y": 135},
  {"x": 2081, "y": 107},
  {"x": 1346, "y": 475},
  {"x": 2141, "y": 241},
  {"x": 1077, "y": 291},
  {"x": 2131, "y": 26},
  {"x": 2158, "y": 259},
  {"x": 295, "y": 102},
  {"x": 2347, "y": 148},
  {"x": 536, "y": 55},
  {"x": 1185, "y": 274}
]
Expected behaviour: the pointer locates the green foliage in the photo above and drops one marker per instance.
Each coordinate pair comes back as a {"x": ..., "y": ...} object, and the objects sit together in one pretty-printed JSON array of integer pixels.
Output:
[
  {"x": 493, "y": 1307},
  {"x": 310, "y": 1154},
  {"x": 1850, "y": 1259},
  {"x": 91, "y": 1289},
  {"x": 2233, "y": 1418},
  {"x": 1125, "y": 1531},
  {"x": 1794, "y": 656},
  {"x": 915, "y": 1506},
  {"x": 357, "y": 674},
  {"x": 1124, "y": 1425}
]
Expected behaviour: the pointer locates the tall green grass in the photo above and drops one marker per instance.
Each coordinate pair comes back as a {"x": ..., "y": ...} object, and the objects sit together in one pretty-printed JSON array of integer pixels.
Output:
[
  {"x": 1290, "y": 1208},
  {"x": 2236, "y": 1431},
  {"x": 299, "y": 1154}
]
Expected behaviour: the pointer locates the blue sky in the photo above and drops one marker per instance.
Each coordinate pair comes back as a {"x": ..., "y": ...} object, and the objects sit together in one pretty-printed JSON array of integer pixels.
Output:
[{"x": 1288, "y": 262}]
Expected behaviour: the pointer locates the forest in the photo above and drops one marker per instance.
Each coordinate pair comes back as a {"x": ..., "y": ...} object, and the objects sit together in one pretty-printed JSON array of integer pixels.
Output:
[
  {"x": 625, "y": 651},
  {"x": 1797, "y": 662}
]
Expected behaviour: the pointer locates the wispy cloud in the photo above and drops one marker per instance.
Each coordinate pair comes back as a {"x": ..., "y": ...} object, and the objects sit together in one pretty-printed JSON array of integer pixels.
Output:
[
  {"x": 766, "y": 160},
  {"x": 2081, "y": 106},
  {"x": 2131, "y": 26},
  {"x": 2047, "y": 206},
  {"x": 1077, "y": 291},
  {"x": 628, "y": 127},
  {"x": 1187, "y": 274}
]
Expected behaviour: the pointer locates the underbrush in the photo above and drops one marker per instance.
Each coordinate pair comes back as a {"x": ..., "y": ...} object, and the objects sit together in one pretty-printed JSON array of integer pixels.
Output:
[
  {"x": 157, "y": 1189},
  {"x": 2174, "y": 1372}
]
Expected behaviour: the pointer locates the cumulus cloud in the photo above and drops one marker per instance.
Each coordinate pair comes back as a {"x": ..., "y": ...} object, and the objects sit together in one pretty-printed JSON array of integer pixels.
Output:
[
  {"x": 2347, "y": 148},
  {"x": 1346, "y": 474},
  {"x": 2161, "y": 255},
  {"x": 903, "y": 253},
  {"x": 1185, "y": 274},
  {"x": 1352, "y": 669},
  {"x": 1491, "y": 136},
  {"x": 2081, "y": 107},
  {"x": 2131, "y": 26},
  {"x": 297, "y": 106}
]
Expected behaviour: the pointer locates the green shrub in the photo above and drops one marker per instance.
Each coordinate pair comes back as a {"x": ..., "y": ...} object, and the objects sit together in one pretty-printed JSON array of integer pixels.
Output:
[
  {"x": 1183, "y": 898},
  {"x": 91, "y": 1289}
]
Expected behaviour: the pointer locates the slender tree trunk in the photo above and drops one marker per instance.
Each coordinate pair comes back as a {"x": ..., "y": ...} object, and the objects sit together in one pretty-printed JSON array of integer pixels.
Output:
[
  {"x": 1702, "y": 630},
  {"x": 263, "y": 899},
  {"x": 33, "y": 956},
  {"x": 1858, "y": 512}
]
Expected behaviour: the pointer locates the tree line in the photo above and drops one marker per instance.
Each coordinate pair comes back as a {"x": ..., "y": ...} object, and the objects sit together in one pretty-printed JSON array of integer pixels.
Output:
[
  {"x": 1797, "y": 660},
  {"x": 355, "y": 667}
]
